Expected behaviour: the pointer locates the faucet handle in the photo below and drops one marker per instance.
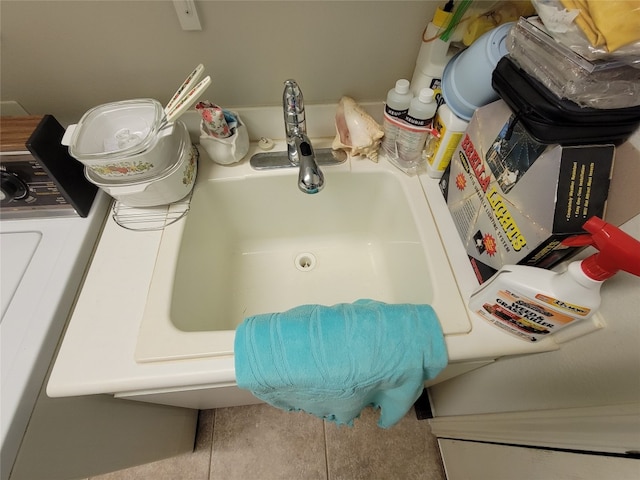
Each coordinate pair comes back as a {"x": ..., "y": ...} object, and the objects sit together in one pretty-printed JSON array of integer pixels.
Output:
[
  {"x": 292, "y": 99},
  {"x": 293, "y": 105}
]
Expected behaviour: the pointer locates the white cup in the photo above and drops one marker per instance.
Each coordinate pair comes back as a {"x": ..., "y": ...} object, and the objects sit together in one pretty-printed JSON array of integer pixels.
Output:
[{"x": 228, "y": 150}]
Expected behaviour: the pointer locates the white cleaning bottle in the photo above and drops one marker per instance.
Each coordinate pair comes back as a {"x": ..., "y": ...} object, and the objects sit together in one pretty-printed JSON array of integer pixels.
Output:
[
  {"x": 433, "y": 55},
  {"x": 395, "y": 110},
  {"x": 446, "y": 134},
  {"x": 531, "y": 302},
  {"x": 413, "y": 134}
]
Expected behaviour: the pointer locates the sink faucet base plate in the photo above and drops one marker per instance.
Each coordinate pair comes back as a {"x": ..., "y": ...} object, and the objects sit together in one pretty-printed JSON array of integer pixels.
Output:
[{"x": 272, "y": 160}]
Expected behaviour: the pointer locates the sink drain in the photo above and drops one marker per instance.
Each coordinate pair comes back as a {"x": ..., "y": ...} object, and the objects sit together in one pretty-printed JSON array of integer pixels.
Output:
[{"x": 305, "y": 262}]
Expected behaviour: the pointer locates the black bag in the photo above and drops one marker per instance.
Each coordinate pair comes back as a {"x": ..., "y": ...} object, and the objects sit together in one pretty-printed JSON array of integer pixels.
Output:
[{"x": 549, "y": 119}]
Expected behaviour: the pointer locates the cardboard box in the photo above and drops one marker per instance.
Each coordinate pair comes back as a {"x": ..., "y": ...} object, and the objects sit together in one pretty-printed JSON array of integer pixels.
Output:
[{"x": 514, "y": 200}]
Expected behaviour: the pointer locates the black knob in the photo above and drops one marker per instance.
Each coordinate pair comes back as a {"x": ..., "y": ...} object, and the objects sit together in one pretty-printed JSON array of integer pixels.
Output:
[{"x": 12, "y": 188}]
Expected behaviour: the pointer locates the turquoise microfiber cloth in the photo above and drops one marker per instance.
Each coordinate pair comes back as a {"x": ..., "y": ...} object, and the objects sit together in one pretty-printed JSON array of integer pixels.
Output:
[{"x": 334, "y": 361}]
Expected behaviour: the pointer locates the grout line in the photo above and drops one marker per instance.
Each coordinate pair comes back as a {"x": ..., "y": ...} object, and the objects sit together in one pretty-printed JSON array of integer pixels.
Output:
[
  {"x": 326, "y": 449},
  {"x": 213, "y": 427}
]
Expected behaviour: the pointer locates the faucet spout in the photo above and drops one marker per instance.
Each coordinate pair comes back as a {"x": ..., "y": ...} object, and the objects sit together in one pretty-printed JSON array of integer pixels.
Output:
[
  {"x": 310, "y": 177},
  {"x": 293, "y": 106},
  {"x": 299, "y": 148}
]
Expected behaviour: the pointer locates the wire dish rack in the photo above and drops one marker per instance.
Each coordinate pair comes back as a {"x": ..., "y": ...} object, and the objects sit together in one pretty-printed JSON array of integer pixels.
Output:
[
  {"x": 153, "y": 218},
  {"x": 150, "y": 218}
]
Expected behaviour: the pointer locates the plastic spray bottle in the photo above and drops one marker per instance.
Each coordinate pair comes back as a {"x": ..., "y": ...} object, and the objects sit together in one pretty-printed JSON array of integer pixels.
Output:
[
  {"x": 396, "y": 108},
  {"x": 532, "y": 303}
]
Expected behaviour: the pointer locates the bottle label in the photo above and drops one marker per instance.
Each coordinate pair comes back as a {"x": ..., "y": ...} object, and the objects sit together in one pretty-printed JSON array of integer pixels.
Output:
[
  {"x": 390, "y": 127},
  {"x": 403, "y": 142},
  {"x": 418, "y": 122},
  {"x": 441, "y": 130},
  {"x": 443, "y": 145},
  {"x": 395, "y": 113},
  {"x": 526, "y": 318},
  {"x": 410, "y": 142},
  {"x": 436, "y": 86}
]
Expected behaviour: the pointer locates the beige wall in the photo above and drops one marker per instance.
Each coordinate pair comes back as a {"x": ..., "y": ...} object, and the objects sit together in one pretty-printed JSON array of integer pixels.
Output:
[{"x": 64, "y": 57}]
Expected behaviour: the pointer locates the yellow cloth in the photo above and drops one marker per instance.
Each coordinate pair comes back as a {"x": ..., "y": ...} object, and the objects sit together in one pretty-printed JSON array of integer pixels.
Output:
[{"x": 610, "y": 23}]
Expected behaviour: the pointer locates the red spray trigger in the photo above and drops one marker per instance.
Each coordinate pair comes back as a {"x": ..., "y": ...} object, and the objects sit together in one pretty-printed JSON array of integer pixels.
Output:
[{"x": 618, "y": 250}]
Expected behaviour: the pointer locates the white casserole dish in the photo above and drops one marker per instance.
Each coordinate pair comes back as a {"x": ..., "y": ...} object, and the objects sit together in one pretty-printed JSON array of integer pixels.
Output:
[
  {"x": 171, "y": 185},
  {"x": 124, "y": 140}
]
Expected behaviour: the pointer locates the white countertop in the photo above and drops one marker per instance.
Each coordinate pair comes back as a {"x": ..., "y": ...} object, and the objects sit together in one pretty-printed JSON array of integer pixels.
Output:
[
  {"x": 97, "y": 355},
  {"x": 37, "y": 310}
]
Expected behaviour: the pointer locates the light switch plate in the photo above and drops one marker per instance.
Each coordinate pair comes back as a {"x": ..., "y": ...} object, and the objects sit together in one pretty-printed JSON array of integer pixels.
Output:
[{"x": 187, "y": 14}]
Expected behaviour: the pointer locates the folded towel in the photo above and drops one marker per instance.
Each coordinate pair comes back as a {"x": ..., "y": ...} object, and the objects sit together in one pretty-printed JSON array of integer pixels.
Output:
[
  {"x": 334, "y": 361},
  {"x": 614, "y": 24}
]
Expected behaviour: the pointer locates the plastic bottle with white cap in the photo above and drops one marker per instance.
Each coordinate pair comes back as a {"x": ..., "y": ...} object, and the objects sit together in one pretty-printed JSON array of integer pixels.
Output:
[
  {"x": 395, "y": 110},
  {"x": 412, "y": 135},
  {"x": 446, "y": 133},
  {"x": 434, "y": 53},
  {"x": 532, "y": 303}
]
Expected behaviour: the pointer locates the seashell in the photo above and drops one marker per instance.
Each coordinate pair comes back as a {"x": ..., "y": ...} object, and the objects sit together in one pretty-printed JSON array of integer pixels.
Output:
[{"x": 357, "y": 133}]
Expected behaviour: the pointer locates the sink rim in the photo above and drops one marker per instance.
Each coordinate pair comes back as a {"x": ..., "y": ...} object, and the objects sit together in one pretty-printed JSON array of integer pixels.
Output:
[{"x": 159, "y": 340}]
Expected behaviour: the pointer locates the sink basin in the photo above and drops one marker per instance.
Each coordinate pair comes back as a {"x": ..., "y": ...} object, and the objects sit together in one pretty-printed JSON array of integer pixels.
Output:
[
  {"x": 268, "y": 249},
  {"x": 252, "y": 243}
]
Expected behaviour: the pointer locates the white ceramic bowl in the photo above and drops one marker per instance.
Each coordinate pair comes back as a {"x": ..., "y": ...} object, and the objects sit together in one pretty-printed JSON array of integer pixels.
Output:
[{"x": 173, "y": 184}]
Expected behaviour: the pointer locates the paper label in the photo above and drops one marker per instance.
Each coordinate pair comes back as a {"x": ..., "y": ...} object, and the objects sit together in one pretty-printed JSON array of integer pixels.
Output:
[{"x": 524, "y": 317}]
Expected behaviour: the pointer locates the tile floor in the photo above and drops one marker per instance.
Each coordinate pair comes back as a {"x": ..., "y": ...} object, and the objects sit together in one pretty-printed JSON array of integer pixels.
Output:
[{"x": 259, "y": 442}]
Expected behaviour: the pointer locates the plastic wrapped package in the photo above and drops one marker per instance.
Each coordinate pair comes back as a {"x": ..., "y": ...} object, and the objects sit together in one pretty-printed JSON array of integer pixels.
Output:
[
  {"x": 594, "y": 28},
  {"x": 604, "y": 84}
]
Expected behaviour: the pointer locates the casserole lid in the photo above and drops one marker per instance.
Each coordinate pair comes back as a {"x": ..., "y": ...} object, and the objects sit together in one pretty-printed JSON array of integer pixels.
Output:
[{"x": 116, "y": 130}]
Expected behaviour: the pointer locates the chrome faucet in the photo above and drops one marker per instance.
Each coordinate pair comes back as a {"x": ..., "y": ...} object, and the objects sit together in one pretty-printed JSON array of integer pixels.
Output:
[{"x": 299, "y": 148}]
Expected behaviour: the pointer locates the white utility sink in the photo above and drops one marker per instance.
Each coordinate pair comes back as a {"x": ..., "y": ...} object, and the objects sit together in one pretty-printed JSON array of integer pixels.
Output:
[{"x": 253, "y": 243}]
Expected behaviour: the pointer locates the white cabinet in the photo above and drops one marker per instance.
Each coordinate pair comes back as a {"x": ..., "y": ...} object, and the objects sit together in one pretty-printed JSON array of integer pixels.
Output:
[{"x": 79, "y": 437}]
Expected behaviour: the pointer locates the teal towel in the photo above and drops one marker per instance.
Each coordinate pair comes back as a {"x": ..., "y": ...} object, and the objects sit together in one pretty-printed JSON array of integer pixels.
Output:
[{"x": 334, "y": 361}]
